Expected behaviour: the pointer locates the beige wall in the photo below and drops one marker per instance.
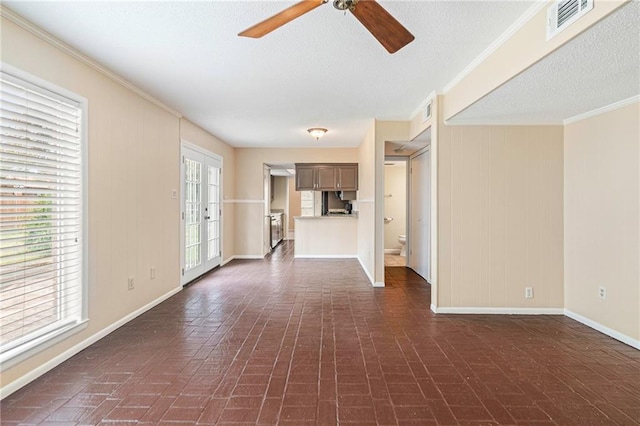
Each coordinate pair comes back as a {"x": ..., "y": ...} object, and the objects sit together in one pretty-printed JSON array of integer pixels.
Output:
[
  {"x": 602, "y": 219},
  {"x": 395, "y": 204},
  {"x": 526, "y": 47},
  {"x": 365, "y": 204},
  {"x": 500, "y": 216},
  {"x": 193, "y": 134},
  {"x": 133, "y": 169},
  {"x": 249, "y": 188},
  {"x": 280, "y": 192}
]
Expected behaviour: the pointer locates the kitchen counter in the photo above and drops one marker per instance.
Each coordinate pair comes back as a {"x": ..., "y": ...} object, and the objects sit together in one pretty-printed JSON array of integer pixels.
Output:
[
  {"x": 326, "y": 236},
  {"x": 330, "y": 216}
]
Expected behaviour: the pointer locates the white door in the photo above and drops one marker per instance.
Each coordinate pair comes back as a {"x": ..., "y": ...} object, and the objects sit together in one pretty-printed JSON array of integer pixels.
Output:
[
  {"x": 201, "y": 213},
  {"x": 420, "y": 214}
]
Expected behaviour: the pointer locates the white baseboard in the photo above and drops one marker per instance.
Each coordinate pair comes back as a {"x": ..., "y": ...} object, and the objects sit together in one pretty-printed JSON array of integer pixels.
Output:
[
  {"x": 54, "y": 362},
  {"x": 246, "y": 256},
  {"x": 498, "y": 311},
  {"x": 392, "y": 251},
  {"x": 603, "y": 329},
  {"x": 371, "y": 280},
  {"x": 434, "y": 308},
  {"x": 378, "y": 284}
]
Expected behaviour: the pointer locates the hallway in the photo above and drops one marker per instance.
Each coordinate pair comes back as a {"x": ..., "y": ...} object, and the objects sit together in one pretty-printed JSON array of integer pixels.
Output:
[{"x": 311, "y": 342}]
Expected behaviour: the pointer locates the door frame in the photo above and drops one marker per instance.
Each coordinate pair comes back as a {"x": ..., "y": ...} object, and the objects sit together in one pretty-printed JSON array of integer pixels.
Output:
[{"x": 186, "y": 144}]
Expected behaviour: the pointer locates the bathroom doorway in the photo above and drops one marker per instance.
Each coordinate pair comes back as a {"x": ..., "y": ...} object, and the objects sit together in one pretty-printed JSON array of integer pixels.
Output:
[{"x": 395, "y": 212}]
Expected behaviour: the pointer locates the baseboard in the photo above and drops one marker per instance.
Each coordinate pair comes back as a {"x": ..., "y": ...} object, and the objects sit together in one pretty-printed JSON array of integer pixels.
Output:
[
  {"x": 434, "y": 308},
  {"x": 325, "y": 256},
  {"x": 497, "y": 311},
  {"x": 246, "y": 256},
  {"x": 371, "y": 280},
  {"x": 392, "y": 251},
  {"x": 603, "y": 329},
  {"x": 54, "y": 362},
  {"x": 378, "y": 284}
]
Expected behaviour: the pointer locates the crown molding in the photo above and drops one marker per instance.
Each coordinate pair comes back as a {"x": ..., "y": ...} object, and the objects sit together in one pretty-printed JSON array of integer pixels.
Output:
[
  {"x": 513, "y": 28},
  {"x": 502, "y": 123},
  {"x": 602, "y": 110},
  {"x": 38, "y": 32}
]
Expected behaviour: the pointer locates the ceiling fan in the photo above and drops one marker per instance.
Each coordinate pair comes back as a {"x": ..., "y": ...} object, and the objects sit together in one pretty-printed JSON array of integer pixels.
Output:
[{"x": 384, "y": 27}]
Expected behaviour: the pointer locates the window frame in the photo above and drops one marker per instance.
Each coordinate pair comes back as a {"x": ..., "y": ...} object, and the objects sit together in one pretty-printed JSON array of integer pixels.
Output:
[{"x": 23, "y": 351}]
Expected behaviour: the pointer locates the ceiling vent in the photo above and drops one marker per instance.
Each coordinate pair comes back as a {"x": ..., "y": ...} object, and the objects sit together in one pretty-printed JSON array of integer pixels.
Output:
[{"x": 563, "y": 13}]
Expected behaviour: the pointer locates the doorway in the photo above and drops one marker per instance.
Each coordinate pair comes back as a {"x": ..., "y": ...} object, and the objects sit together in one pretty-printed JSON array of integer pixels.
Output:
[
  {"x": 395, "y": 211},
  {"x": 201, "y": 215}
]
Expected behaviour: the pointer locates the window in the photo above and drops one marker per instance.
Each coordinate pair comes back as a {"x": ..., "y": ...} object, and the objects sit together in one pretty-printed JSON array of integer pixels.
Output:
[{"x": 42, "y": 296}]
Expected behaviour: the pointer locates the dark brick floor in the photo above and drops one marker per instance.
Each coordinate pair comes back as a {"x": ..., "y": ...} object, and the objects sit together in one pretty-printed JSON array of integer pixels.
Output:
[{"x": 311, "y": 342}]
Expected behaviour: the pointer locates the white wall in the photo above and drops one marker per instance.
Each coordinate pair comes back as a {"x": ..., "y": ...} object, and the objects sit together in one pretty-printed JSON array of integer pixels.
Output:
[
  {"x": 602, "y": 219},
  {"x": 395, "y": 204}
]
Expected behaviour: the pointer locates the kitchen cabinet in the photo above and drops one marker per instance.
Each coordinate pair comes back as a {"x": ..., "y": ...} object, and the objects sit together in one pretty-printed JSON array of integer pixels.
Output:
[{"x": 326, "y": 177}]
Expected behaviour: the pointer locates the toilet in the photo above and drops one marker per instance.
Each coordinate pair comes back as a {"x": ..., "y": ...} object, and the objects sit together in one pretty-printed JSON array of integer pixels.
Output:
[{"x": 402, "y": 239}]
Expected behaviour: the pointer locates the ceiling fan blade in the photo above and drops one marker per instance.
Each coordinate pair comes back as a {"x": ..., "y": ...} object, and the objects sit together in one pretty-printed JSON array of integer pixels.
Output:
[
  {"x": 278, "y": 20},
  {"x": 384, "y": 27}
]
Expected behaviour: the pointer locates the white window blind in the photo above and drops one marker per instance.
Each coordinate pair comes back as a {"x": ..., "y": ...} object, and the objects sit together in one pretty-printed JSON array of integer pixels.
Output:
[{"x": 41, "y": 211}]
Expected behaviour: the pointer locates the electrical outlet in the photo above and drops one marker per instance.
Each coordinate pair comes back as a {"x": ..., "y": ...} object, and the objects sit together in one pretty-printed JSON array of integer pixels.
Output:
[
  {"x": 602, "y": 292},
  {"x": 152, "y": 273},
  {"x": 130, "y": 283},
  {"x": 174, "y": 193},
  {"x": 528, "y": 292}
]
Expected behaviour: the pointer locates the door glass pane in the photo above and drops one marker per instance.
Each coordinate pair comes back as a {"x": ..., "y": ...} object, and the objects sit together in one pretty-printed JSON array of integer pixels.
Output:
[
  {"x": 193, "y": 223},
  {"x": 213, "y": 243}
]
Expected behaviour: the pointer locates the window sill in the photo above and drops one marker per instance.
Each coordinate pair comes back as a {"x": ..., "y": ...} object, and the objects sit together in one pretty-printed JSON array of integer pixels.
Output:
[{"x": 17, "y": 355}]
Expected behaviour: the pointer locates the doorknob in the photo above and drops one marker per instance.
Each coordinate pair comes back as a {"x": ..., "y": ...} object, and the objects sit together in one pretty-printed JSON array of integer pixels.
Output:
[{"x": 207, "y": 217}]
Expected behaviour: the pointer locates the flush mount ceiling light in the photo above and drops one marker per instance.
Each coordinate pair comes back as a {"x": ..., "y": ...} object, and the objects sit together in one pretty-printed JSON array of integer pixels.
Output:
[{"x": 317, "y": 132}]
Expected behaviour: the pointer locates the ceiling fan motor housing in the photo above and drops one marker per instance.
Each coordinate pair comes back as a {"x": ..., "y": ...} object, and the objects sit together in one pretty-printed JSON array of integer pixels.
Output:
[{"x": 344, "y": 4}]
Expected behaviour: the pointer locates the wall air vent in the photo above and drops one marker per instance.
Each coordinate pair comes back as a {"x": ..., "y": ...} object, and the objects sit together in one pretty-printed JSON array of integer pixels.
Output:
[
  {"x": 563, "y": 13},
  {"x": 426, "y": 111}
]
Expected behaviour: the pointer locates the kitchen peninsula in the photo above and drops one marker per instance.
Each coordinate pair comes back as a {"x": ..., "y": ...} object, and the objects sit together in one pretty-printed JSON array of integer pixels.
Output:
[
  {"x": 326, "y": 236},
  {"x": 329, "y": 228}
]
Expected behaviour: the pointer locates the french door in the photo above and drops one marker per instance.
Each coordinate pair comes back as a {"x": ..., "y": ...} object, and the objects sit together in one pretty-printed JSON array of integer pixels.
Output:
[{"x": 201, "y": 214}]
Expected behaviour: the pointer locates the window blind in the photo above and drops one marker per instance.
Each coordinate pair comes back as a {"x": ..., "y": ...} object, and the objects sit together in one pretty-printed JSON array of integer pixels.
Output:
[{"x": 41, "y": 252}]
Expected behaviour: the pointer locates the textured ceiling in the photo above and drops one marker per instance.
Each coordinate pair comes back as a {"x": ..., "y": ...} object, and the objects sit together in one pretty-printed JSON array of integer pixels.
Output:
[
  {"x": 323, "y": 69},
  {"x": 599, "y": 67}
]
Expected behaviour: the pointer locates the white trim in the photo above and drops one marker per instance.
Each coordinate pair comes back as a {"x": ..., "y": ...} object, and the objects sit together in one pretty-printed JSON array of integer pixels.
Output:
[
  {"x": 497, "y": 311},
  {"x": 243, "y": 201},
  {"x": 247, "y": 256},
  {"x": 325, "y": 256},
  {"x": 453, "y": 122},
  {"x": 38, "y": 32},
  {"x": 378, "y": 284},
  {"x": 434, "y": 308},
  {"x": 513, "y": 28},
  {"x": 611, "y": 107},
  {"x": 371, "y": 280},
  {"x": 392, "y": 251},
  {"x": 52, "y": 363},
  {"x": 365, "y": 201},
  {"x": 227, "y": 260},
  {"x": 603, "y": 329}
]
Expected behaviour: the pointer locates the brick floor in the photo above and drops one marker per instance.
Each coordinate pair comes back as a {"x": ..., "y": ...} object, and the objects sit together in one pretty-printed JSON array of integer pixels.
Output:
[{"x": 297, "y": 342}]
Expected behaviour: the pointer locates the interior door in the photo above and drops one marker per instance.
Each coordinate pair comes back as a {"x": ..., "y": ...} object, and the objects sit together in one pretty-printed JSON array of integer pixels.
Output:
[
  {"x": 201, "y": 213},
  {"x": 420, "y": 216}
]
